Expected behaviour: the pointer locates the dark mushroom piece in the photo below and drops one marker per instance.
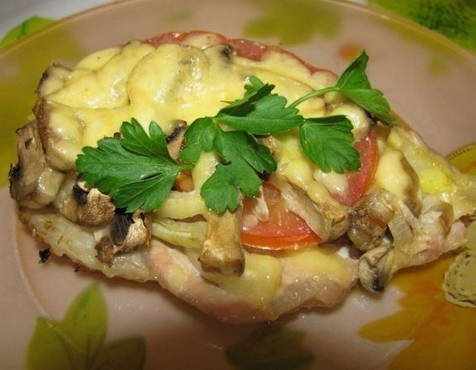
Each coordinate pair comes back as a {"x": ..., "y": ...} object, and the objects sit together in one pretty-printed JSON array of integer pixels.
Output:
[
  {"x": 127, "y": 232},
  {"x": 374, "y": 265},
  {"x": 94, "y": 208},
  {"x": 411, "y": 241},
  {"x": 130, "y": 230},
  {"x": 369, "y": 220}
]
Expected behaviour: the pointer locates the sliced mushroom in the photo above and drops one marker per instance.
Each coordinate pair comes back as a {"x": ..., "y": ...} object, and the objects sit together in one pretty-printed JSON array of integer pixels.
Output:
[
  {"x": 433, "y": 233},
  {"x": 130, "y": 231},
  {"x": 394, "y": 174},
  {"x": 373, "y": 267},
  {"x": 31, "y": 163},
  {"x": 94, "y": 208},
  {"x": 222, "y": 251},
  {"x": 368, "y": 221},
  {"x": 127, "y": 232},
  {"x": 175, "y": 139},
  {"x": 32, "y": 182},
  {"x": 328, "y": 220}
]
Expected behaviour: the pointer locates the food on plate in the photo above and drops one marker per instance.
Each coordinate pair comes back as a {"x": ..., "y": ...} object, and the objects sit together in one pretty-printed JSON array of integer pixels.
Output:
[{"x": 243, "y": 180}]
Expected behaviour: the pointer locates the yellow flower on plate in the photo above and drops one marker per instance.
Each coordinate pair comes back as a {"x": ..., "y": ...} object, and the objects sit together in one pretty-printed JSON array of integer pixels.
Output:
[{"x": 443, "y": 335}]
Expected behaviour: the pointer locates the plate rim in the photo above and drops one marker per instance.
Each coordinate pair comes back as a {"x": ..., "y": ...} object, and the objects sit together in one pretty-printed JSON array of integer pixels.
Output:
[{"x": 380, "y": 13}]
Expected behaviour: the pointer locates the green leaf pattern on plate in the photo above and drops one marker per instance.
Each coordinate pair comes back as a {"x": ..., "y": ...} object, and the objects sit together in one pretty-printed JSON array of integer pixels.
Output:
[
  {"x": 77, "y": 342},
  {"x": 127, "y": 353},
  {"x": 271, "y": 348},
  {"x": 293, "y": 21},
  {"x": 26, "y": 27}
]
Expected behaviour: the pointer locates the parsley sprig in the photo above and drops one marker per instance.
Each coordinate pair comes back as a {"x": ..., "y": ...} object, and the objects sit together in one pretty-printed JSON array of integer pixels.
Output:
[
  {"x": 328, "y": 142},
  {"x": 243, "y": 161},
  {"x": 137, "y": 170},
  {"x": 260, "y": 112},
  {"x": 354, "y": 85}
]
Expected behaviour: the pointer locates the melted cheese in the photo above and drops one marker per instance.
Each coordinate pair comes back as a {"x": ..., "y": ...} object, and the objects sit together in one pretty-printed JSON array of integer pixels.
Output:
[
  {"x": 96, "y": 60},
  {"x": 319, "y": 262},
  {"x": 163, "y": 84},
  {"x": 259, "y": 282},
  {"x": 171, "y": 82},
  {"x": 204, "y": 168},
  {"x": 434, "y": 174},
  {"x": 356, "y": 116},
  {"x": 294, "y": 166},
  {"x": 391, "y": 174},
  {"x": 299, "y": 170},
  {"x": 101, "y": 84},
  {"x": 181, "y": 205},
  {"x": 336, "y": 183}
]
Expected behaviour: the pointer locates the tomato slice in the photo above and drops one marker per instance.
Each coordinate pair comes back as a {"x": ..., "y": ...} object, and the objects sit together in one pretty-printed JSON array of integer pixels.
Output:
[
  {"x": 283, "y": 230},
  {"x": 359, "y": 181}
]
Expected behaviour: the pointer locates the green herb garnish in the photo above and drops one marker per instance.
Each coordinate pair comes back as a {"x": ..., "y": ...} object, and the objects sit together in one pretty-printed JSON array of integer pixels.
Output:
[
  {"x": 260, "y": 112},
  {"x": 328, "y": 141},
  {"x": 354, "y": 85},
  {"x": 243, "y": 160},
  {"x": 137, "y": 170}
]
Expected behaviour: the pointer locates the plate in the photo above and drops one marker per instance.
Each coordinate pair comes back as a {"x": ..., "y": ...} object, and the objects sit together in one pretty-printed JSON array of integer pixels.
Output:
[{"x": 429, "y": 82}]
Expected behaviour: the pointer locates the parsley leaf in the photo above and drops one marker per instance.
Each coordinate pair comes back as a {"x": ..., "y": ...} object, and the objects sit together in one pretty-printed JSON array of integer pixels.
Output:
[
  {"x": 259, "y": 112},
  {"x": 231, "y": 145},
  {"x": 222, "y": 189},
  {"x": 244, "y": 158},
  {"x": 354, "y": 84},
  {"x": 148, "y": 193},
  {"x": 199, "y": 137},
  {"x": 254, "y": 90},
  {"x": 327, "y": 141},
  {"x": 136, "y": 171},
  {"x": 137, "y": 141}
]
